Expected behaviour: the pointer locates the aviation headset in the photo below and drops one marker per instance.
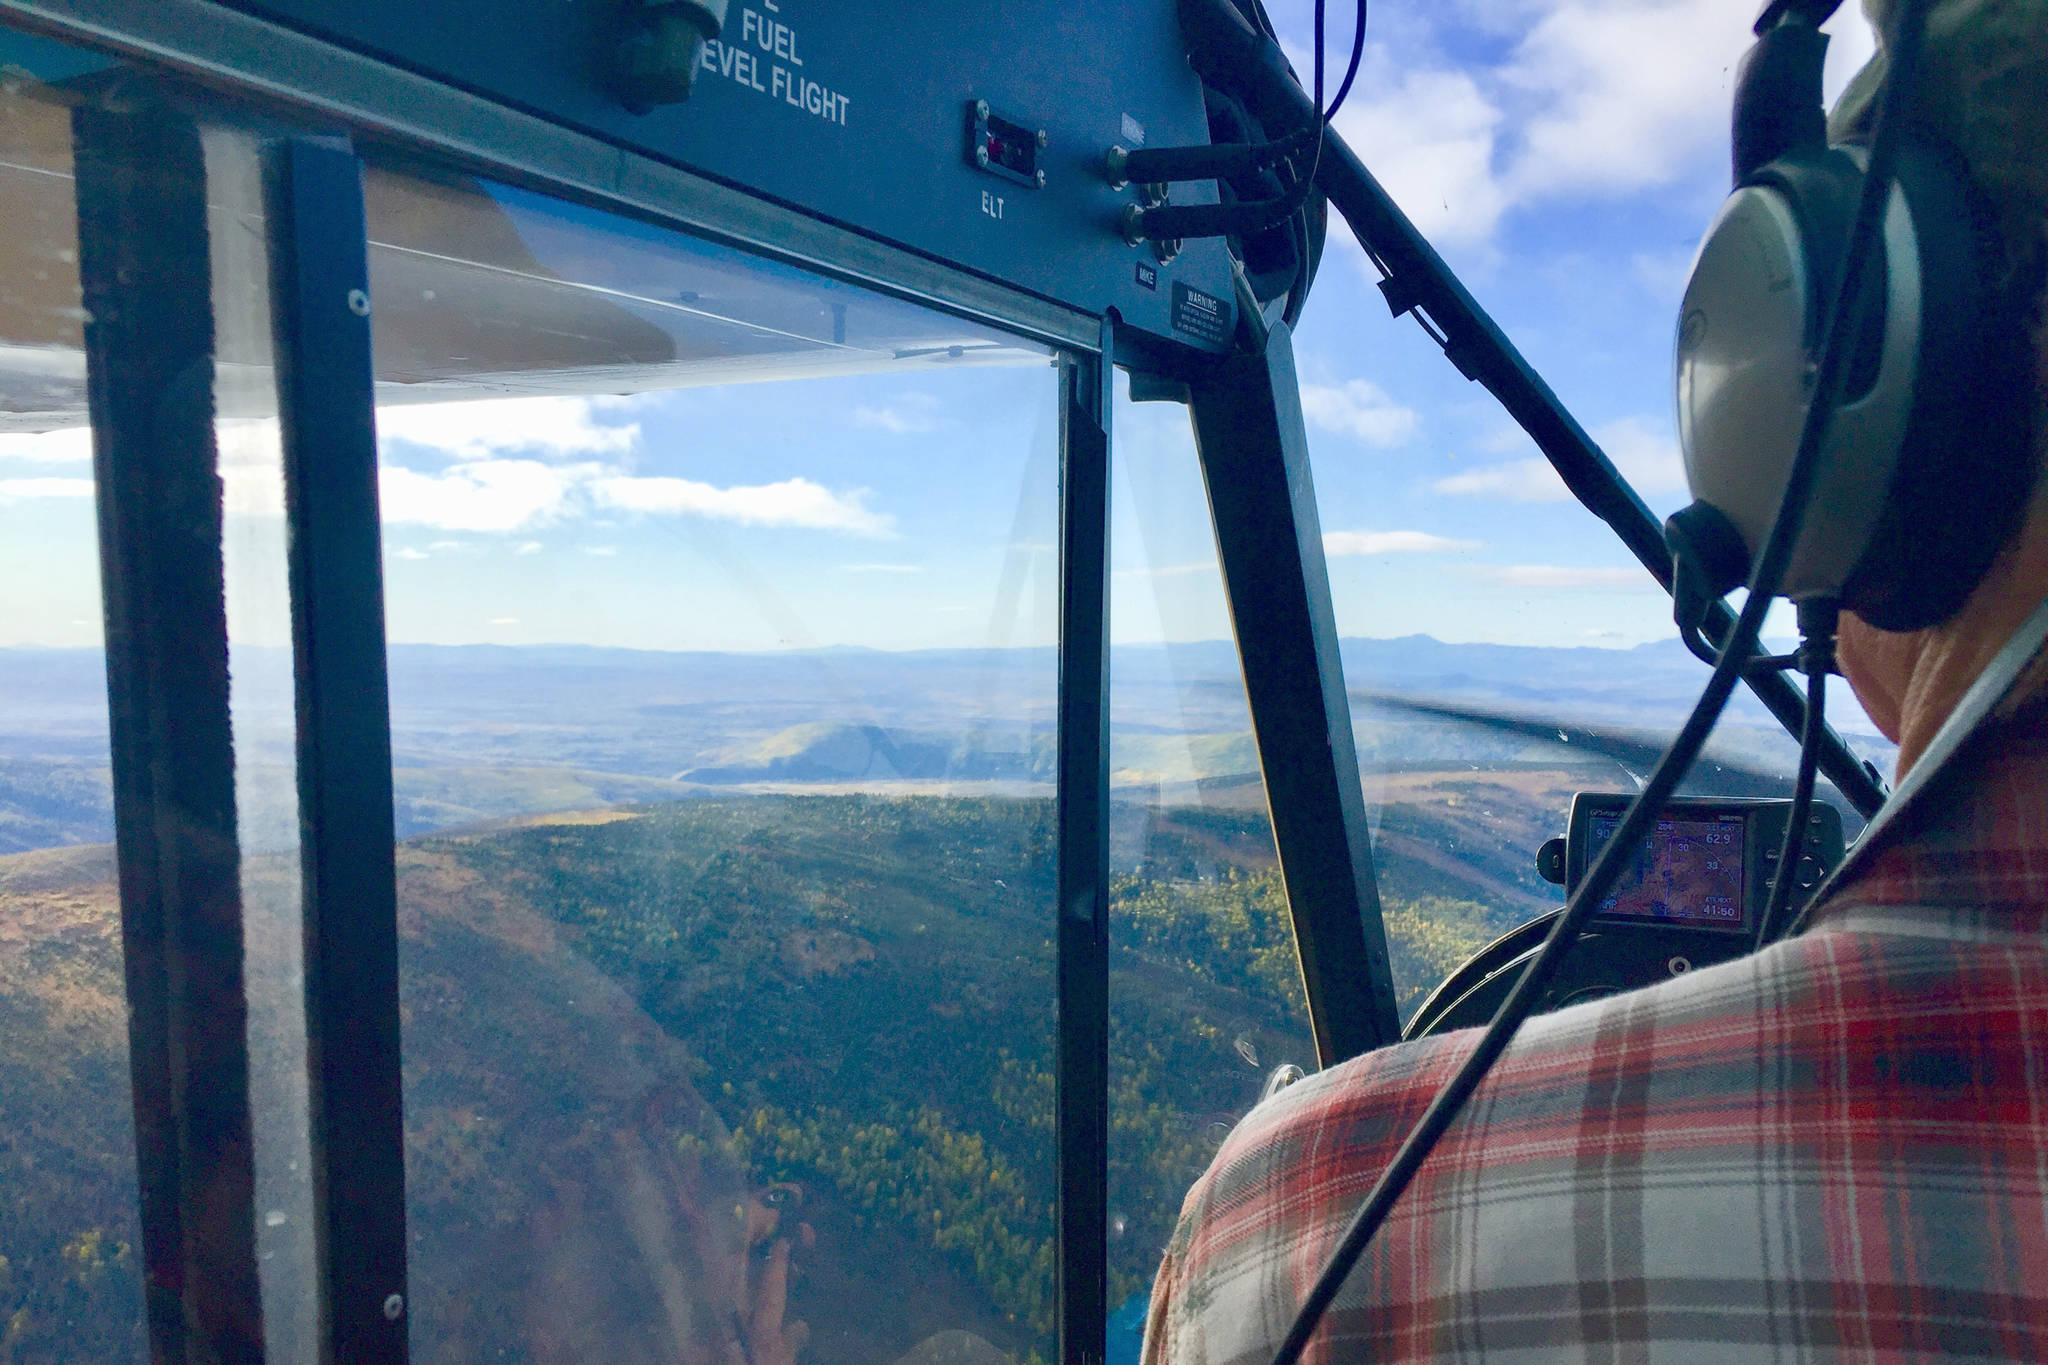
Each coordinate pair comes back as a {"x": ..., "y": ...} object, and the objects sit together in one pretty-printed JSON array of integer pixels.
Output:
[{"x": 1928, "y": 458}]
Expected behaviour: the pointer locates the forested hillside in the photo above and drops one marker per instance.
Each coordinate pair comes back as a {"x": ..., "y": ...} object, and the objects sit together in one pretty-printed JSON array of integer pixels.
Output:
[{"x": 820, "y": 1021}]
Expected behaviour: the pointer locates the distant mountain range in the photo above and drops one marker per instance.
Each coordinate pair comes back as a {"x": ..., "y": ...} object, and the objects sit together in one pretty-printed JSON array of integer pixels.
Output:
[{"x": 485, "y": 731}]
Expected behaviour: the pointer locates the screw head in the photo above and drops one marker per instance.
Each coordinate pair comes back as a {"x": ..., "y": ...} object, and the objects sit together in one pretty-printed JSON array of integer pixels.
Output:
[
  {"x": 1040, "y": 177},
  {"x": 981, "y": 156},
  {"x": 359, "y": 303},
  {"x": 1679, "y": 966},
  {"x": 394, "y": 1307},
  {"x": 981, "y": 108},
  {"x": 1042, "y": 138}
]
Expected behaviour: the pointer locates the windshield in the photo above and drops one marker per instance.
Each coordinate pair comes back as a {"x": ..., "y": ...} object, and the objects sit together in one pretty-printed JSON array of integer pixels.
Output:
[
  {"x": 722, "y": 607},
  {"x": 1468, "y": 584}
]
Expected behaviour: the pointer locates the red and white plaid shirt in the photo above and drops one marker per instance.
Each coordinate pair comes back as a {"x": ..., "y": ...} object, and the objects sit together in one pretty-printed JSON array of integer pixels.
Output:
[{"x": 1836, "y": 1149}]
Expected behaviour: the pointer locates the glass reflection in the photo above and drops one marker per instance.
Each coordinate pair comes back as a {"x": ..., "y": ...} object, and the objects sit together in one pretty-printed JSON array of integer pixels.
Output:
[
  {"x": 723, "y": 721},
  {"x": 1206, "y": 1006}
]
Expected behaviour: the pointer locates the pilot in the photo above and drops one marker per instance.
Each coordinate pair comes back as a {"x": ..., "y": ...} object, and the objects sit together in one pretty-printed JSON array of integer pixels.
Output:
[{"x": 1835, "y": 1149}]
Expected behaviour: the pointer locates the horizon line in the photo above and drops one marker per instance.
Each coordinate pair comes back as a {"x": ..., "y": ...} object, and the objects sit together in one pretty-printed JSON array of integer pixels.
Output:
[{"x": 28, "y": 647}]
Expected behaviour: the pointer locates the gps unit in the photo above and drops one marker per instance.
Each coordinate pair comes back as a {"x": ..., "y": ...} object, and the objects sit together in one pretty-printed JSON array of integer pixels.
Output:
[
  {"x": 1692, "y": 895},
  {"x": 1708, "y": 865}
]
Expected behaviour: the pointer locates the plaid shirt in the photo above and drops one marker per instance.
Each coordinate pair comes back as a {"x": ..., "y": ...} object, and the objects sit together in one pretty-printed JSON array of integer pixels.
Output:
[{"x": 1836, "y": 1149}]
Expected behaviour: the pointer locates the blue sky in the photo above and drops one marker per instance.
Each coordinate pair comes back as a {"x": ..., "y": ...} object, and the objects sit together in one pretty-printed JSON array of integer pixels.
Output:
[
  {"x": 1564, "y": 157},
  {"x": 1563, "y": 154}
]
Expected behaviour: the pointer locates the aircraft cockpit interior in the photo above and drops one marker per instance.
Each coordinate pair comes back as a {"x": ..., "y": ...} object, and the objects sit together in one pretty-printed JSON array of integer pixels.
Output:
[{"x": 720, "y": 680}]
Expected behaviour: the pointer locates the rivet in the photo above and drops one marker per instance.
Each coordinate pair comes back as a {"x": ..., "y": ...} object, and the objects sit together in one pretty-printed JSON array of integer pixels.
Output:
[
  {"x": 394, "y": 1307},
  {"x": 359, "y": 303}
]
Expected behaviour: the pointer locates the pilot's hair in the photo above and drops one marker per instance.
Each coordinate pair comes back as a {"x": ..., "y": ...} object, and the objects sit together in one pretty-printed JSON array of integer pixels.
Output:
[{"x": 1984, "y": 90}]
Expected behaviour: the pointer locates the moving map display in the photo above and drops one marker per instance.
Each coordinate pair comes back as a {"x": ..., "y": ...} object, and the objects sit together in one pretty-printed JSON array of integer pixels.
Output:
[{"x": 1688, "y": 871}]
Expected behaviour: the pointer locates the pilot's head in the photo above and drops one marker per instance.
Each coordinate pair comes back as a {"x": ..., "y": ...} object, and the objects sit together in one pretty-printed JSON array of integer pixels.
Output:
[{"x": 1984, "y": 88}]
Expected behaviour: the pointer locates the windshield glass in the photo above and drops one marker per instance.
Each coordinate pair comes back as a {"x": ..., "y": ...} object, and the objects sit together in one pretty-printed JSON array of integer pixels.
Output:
[
  {"x": 1468, "y": 584},
  {"x": 1206, "y": 1004},
  {"x": 722, "y": 608}
]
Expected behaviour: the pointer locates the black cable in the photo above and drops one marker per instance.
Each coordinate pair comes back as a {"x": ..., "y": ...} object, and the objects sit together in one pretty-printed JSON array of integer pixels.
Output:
[
  {"x": 1843, "y": 326},
  {"x": 1351, "y": 71},
  {"x": 1319, "y": 45},
  {"x": 1817, "y": 621},
  {"x": 1174, "y": 222},
  {"x": 1215, "y": 161}
]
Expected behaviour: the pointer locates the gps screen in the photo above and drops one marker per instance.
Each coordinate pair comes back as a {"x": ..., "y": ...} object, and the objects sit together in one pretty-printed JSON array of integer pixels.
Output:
[{"x": 1687, "y": 872}]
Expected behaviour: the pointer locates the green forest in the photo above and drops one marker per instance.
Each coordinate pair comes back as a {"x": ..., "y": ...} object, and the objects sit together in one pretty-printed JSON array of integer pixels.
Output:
[{"x": 833, "y": 1012}]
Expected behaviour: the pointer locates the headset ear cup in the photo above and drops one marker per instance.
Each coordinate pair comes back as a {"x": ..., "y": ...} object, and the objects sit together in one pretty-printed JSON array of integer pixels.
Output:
[{"x": 1966, "y": 462}]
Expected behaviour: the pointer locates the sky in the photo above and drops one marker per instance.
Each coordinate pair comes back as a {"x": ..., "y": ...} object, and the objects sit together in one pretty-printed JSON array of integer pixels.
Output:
[{"x": 1564, "y": 156}]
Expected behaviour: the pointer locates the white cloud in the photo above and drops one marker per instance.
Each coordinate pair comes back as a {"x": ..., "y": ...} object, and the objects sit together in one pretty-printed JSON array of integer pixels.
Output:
[
  {"x": 1560, "y": 576},
  {"x": 1588, "y": 97},
  {"x": 601, "y": 551},
  {"x": 906, "y": 413},
  {"x": 528, "y": 547},
  {"x": 501, "y": 495},
  {"x": 1344, "y": 543},
  {"x": 440, "y": 549},
  {"x": 504, "y": 620},
  {"x": 1429, "y": 137},
  {"x": 1198, "y": 566},
  {"x": 552, "y": 428},
  {"x": 67, "y": 445},
  {"x": 881, "y": 568},
  {"x": 1530, "y": 480},
  {"x": 251, "y": 466},
  {"x": 1620, "y": 95},
  {"x": 23, "y": 490},
  {"x": 1646, "y": 457},
  {"x": 791, "y": 502},
  {"x": 482, "y": 495},
  {"x": 1359, "y": 409}
]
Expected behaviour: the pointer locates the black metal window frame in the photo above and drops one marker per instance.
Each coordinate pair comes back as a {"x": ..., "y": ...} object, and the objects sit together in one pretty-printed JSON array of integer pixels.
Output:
[{"x": 145, "y": 276}]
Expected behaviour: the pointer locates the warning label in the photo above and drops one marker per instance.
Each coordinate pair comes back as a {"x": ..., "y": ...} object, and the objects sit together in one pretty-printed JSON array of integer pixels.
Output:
[{"x": 1198, "y": 314}]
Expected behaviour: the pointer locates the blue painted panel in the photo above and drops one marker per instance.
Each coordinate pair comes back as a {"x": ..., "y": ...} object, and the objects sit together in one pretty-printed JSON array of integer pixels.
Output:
[{"x": 858, "y": 113}]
